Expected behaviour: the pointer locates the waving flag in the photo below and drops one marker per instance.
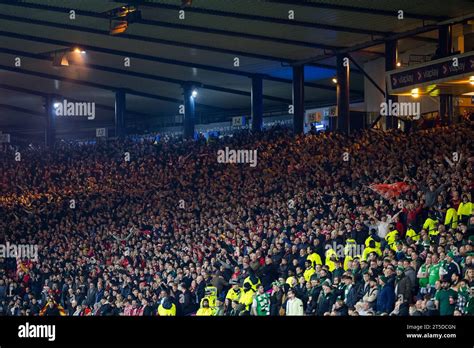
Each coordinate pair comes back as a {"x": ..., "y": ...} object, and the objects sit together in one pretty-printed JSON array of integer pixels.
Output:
[
  {"x": 60, "y": 308},
  {"x": 388, "y": 191},
  {"x": 22, "y": 267}
]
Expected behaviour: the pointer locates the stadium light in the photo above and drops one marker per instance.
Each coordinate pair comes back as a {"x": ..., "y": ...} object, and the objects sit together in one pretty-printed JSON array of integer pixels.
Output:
[
  {"x": 79, "y": 50},
  {"x": 60, "y": 59},
  {"x": 121, "y": 17}
]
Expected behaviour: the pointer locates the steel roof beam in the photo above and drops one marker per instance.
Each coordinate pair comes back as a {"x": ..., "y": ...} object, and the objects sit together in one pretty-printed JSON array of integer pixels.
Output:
[
  {"x": 397, "y": 36},
  {"x": 20, "y": 109},
  {"x": 42, "y": 94},
  {"x": 100, "y": 86},
  {"x": 175, "y": 26},
  {"x": 265, "y": 19},
  {"x": 189, "y": 28},
  {"x": 357, "y": 9},
  {"x": 140, "y": 75},
  {"x": 151, "y": 58}
]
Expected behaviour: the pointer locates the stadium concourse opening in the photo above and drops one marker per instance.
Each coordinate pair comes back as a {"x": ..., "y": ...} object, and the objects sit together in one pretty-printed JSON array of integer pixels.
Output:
[{"x": 236, "y": 159}]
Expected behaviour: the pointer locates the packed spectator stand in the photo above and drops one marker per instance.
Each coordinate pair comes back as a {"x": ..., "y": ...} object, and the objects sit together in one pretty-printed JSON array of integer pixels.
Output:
[{"x": 376, "y": 223}]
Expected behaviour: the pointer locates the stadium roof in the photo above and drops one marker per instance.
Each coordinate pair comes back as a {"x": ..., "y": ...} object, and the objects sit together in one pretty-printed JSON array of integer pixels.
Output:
[{"x": 166, "y": 51}]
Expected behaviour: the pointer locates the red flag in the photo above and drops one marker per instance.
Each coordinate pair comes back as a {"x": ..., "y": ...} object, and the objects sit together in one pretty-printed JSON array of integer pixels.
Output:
[{"x": 388, "y": 191}]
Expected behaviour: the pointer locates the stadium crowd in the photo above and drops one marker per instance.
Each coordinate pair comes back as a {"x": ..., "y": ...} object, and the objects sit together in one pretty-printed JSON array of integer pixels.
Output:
[{"x": 162, "y": 228}]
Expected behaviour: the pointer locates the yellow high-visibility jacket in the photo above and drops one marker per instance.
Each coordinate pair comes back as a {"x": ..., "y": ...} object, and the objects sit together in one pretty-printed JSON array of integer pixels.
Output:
[
  {"x": 464, "y": 209},
  {"x": 308, "y": 273},
  {"x": 451, "y": 218},
  {"x": 254, "y": 286},
  {"x": 391, "y": 236},
  {"x": 315, "y": 259},
  {"x": 412, "y": 234},
  {"x": 205, "y": 312},
  {"x": 234, "y": 295},
  {"x": 367, "y": 251},
  {"x": 329, "y": 263},
  {"x": 430, "y": 226},
  {"x": 163, "y": 312},
  {"x": 247, "y": 298},
  {"x": 367, "y": 242}
]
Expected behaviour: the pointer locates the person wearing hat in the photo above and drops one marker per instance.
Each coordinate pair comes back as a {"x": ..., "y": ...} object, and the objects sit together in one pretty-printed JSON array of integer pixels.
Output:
[
  {"x": 386, "y": 296},
  {"x": 430, "y": 309},
  {"x": 349, "y": 291},
  {"x": 403, "y": 286},
  {"x": 445, "y": 298},
  {"x": 326, "y": 300},
  {"x": 451, "y": 266},
  {"x": 369, "y": 299},
  {"x": 246, "y": 298},
  {"x": 235, "y": 291},
  {"x": 167, "y": 308}
]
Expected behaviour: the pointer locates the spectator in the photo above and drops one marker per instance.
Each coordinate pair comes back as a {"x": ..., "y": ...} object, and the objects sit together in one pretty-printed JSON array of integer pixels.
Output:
[{"x": 294, "y": 306}]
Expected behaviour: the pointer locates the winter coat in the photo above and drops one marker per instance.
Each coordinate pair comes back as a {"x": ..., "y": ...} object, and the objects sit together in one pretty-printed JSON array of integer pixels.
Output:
[
  {"x": 385, "y": 299},
  {"x": 404, "y": 287}
]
